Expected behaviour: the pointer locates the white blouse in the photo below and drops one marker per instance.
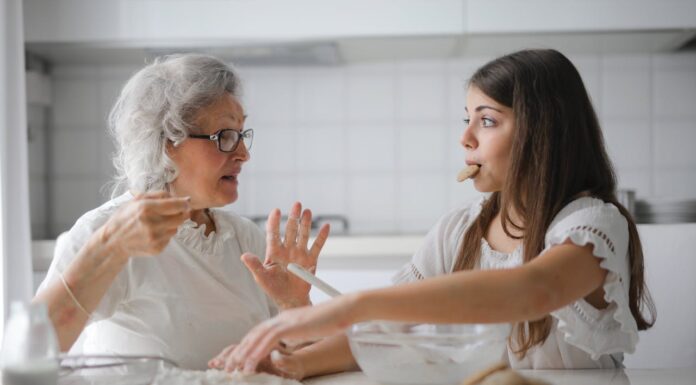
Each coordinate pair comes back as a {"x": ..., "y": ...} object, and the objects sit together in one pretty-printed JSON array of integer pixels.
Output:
[
  {"x": 582, "y": 336},
  {"x": 187, "y": 303}
]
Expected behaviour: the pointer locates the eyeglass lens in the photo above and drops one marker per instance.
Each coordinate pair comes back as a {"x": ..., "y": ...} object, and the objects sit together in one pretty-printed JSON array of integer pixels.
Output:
[{"x": 229, "y": 138}]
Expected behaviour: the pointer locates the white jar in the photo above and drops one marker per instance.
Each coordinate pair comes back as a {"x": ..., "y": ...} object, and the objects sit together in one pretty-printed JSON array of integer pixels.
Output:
[{"x": 30, "y": 347}]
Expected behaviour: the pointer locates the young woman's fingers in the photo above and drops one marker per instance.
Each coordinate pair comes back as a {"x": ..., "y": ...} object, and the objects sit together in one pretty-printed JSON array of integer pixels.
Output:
[
  {"x": 286, "y": 365},
  {"x": 263, "y": 346},
  {"x": 237, "y": 358},
  {"x": 305, "y": 229},
  {"x": 291, "y": 226}
]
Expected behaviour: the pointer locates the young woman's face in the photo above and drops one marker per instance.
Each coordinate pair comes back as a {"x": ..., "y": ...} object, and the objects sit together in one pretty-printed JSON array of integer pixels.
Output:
[
  {"x": 487, "y": 139},
  {"x": 209, "y": 176}
]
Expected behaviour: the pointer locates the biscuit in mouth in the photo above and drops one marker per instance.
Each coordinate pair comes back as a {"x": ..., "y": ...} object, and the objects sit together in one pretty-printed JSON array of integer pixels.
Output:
[{"x": 468, "y": 172}]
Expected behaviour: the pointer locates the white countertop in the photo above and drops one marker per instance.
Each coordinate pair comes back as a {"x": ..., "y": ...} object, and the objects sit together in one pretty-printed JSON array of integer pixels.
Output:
[
  {"x": 685, "y": 376},
  {"x": 340, "y": 246}
]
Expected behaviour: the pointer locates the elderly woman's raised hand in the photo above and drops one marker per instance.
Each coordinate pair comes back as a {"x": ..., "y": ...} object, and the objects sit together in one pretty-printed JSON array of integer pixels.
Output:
[
  {"x": 145, "y": 225},
  {"x": 272, "y": 275}
]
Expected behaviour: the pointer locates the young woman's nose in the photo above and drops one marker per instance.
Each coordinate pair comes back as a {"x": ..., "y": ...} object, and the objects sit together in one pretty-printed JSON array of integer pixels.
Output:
[{"x": 468, "y": 140}]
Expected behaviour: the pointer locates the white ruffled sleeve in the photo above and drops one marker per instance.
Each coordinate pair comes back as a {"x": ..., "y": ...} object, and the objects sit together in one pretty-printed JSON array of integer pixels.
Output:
[
  {"x": 440, "y": 247},
  {"x": 597, "y": 331}
]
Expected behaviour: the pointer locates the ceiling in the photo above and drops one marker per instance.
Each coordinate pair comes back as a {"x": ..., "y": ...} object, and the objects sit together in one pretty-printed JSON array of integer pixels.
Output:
[{"x": 343, "y": 51}]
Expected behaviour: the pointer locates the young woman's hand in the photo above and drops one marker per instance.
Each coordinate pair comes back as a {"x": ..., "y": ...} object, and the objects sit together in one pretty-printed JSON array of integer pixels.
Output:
[
  {"x": 144, "y": 226},
  {"x": 323, "y": 320},
  {"x": 281, "y": 362},
  {"x": 272, "y": 275}
]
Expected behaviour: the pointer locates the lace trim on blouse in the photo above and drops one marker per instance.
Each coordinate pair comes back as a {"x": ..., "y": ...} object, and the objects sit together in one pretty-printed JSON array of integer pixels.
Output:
[
  {"x": 598, "y": 331},
  {"x": 193, "y": 235},
  {"x": 593, "y": 230}
]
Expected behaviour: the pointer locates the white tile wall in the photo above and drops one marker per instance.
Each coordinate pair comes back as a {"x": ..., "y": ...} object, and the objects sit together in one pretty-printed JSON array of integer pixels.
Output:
[
  {"x": 628, "y": 141},
  {"x": 422, "y": 199},
  {"x": 274, "y": 150},
  {"x": 422, "y": 147},
  {"x": 76, "y": 103},
  {"x": 321, "y": 147},
  {"x": 372, "y": 202},
  {"x": 675, "y": 93},
  {"x": 323, "y": 194},
  {"x": 321, "y": 95},
  {"x": 38, "y": 173},
  {"x": 72, "y": 197},
  {"x": 674, "y": 143},
  {"x": 271, "y": 191},
  {"x": 370, "y": 94},
  {"x": 376, "y": 142},
  {"x": 76, "y": 152},
  {"x": 371, "y": 148}
]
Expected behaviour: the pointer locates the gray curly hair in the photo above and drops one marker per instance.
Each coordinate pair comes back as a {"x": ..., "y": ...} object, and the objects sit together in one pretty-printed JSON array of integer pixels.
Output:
[{"x": 157, "y": 105}]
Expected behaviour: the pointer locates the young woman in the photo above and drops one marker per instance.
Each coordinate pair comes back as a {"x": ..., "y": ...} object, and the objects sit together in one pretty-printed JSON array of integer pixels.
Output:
[{"x": 550, "y": 250}]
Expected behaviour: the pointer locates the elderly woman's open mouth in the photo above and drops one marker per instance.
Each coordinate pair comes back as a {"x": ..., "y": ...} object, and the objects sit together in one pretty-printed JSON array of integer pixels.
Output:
[{"x": 230, "y": 176}]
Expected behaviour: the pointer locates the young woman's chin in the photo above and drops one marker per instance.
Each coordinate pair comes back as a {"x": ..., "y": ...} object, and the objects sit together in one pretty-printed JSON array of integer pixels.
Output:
[{"x": 484, "y": 186}]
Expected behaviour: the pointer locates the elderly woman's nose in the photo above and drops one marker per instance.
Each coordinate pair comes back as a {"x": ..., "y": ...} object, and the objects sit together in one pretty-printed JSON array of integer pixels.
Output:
[{"x": 241, "y": 152}]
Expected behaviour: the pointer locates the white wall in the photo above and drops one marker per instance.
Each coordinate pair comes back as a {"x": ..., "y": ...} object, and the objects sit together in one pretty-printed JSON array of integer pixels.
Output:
[{"x": 379, "y": 142}]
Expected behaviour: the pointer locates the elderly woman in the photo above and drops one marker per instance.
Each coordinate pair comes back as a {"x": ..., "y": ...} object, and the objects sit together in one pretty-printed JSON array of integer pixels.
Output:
[{"x": 159, "y": 270}]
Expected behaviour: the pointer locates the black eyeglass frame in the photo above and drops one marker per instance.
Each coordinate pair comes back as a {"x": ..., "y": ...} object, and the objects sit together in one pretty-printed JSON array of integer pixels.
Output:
[{"x": 246, "y": 134}]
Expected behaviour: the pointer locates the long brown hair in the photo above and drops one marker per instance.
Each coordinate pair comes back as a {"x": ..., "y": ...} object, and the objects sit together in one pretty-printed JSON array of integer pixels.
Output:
[{"x": 557, "y": 156}]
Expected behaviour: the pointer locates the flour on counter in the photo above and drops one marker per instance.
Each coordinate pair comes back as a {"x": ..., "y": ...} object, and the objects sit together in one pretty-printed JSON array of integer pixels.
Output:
[{"x": 174, "y": 376}]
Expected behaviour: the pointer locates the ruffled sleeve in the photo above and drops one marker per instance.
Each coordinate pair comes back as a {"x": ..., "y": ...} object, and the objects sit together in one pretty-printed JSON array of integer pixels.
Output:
[
  {"x": 613, "y": 329},
  {"x": 440, "y": 248}
]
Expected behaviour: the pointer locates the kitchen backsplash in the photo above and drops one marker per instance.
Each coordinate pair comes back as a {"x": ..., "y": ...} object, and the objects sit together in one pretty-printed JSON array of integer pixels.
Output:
[{"x": 378, "y": 143}]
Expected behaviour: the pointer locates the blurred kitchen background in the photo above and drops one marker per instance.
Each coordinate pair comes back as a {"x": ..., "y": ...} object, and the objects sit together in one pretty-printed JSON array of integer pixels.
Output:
[{"x": 357, "y": 107}]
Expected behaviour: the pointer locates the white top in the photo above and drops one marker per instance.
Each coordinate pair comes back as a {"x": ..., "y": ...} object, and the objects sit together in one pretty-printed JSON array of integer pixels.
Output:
[
  {"x": 581, "y": 336},
  {"x": 187, "y": 303}
]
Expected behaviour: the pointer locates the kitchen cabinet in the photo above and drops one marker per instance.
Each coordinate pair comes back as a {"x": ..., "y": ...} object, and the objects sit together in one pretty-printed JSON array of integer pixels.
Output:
[{"x": 352, "y": 30}]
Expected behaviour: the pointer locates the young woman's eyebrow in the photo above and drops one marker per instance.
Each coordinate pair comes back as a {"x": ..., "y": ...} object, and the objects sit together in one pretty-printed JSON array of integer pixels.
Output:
[{"x": 483, "y": 107}]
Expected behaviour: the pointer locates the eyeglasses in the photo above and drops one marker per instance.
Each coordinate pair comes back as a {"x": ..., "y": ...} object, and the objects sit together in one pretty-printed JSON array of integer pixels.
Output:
[{"x": 228, "y": 139}]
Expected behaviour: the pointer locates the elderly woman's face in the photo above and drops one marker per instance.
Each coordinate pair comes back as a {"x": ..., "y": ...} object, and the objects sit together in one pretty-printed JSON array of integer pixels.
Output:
[{"x": 208, "y": 176}]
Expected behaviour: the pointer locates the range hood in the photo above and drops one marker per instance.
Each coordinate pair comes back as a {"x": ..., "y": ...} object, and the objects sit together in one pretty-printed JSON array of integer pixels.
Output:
[{"x": 321, "y": 32}]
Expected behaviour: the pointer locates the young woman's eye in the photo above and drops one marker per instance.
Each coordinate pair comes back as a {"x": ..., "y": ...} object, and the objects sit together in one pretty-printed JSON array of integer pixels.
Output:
[
  {"x": 467, "y": 121},
  {"x": 487, "y": 122}
]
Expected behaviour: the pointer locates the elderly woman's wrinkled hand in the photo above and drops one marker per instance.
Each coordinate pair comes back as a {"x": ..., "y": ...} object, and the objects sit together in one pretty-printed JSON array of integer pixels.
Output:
[
  {"x": 144, "y": 226},
  {"x": 272, "y": 275}
]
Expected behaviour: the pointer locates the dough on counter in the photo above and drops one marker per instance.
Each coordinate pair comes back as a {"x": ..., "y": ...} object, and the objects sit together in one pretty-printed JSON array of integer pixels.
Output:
[{"x": 175, "y": 376}]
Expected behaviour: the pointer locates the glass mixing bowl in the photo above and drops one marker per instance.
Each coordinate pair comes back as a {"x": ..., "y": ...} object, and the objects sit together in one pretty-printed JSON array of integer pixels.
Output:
[
  {"x": 111, "y": 369},
  {"x": 426, "y": 354}
]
